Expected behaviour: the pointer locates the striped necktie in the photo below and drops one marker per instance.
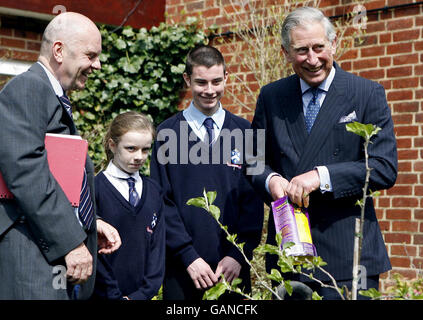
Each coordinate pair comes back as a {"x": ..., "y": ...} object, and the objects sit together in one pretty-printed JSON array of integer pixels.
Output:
[
  {"x": 85, "y": 209},
  {"x": 312, "y": 109},
  {"x": 133, "y": 195},
  {"x": 66, "y": 103}
]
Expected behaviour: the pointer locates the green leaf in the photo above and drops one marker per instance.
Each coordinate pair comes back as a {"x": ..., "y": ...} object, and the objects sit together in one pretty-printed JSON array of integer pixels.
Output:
[
  {"x": 268, "y": 248},
  {"x": 371, "y": 293},
  {"x": 128, "y": 31},
  {"x": 211, "y": 196},
  {"x": 275, "y": 275},
  {"x": 197, "y": 202},
  {"x": 215, "y": 211},
  {"x": 215, "y": 292},
  {"x": 231, "y": 238},
  {"x": 278, "y": 238},
  {"x": 315, "y": 296},
  {"x": 375, "y": 194},
  {"x": 286, "y": 265},
  {"x": 235, "y": 282},
  {"x": 288, "y": 287},
  {"x": 120, "y": 44},
  {"x": 364, "y": 130}
]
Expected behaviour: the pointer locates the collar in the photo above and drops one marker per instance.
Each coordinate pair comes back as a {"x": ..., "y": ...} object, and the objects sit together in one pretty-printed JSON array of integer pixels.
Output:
[
  {"x": 323, "y": 86},
  {"x": 58, "y": 90},
  {"x": 117, "y": 173},
  {"x": 197, "y": 117}
]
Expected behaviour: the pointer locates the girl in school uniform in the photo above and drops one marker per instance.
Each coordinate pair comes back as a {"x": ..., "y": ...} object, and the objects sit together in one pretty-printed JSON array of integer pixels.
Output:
[{"x": 133, "y": 204}]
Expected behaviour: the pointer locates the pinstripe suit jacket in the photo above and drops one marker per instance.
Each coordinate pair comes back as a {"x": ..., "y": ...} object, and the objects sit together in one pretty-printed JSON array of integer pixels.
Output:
[
  {"x": 29, "y": 109},
  {"x": 290, "y": 151}
]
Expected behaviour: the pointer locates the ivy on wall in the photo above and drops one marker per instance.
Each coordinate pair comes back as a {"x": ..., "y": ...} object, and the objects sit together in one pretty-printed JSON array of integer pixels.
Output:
[{"x": 142, "y": 71}]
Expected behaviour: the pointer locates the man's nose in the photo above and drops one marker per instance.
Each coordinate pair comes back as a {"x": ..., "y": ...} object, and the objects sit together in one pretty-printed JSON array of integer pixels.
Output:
[
  {"x": 312, "y": 58},
  {"x": 96, "y": 64}
]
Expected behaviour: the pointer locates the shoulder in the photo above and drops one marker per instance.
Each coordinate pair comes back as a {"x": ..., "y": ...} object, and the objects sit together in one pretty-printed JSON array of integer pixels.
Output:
[
  {"x": 30, "y": 84},
  {"x": 99, "y": 179},
  {"x": 237, "y": 121},
  {"x": 33, "y": 78},
  {"x": 152, "y": 184},
  {"x": 171, "y": 123},
  {"x": 281, "y": 85},
  {"x": 354, "y": 81}
]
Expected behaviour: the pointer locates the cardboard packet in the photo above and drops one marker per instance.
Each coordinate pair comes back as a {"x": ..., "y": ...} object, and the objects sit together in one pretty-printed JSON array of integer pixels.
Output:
[{"x": 294, "y": 225}]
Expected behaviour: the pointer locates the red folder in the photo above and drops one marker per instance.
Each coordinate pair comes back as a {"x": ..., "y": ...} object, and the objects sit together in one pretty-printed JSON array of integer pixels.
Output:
[{"x": 66, "y": 156}]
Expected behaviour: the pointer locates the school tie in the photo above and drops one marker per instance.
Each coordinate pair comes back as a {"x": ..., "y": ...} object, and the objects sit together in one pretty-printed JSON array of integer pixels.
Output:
[
  {"x": 208, "y": 123},
  {"x": 312, "y": 109},
  {"x": 85, "y": 209},
  {"x": 133, "y": 195}
]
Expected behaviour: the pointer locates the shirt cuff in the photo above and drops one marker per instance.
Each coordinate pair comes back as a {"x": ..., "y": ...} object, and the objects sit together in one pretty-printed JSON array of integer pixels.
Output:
[
  {"x": 268, "y": 179},
  {"x": 325, "y": 183}
]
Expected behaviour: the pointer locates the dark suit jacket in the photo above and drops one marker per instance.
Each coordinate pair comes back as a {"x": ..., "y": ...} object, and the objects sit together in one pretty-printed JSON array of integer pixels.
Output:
[
  {"x": 29, "y": 109},
  {"x": 290, "y": 151}
]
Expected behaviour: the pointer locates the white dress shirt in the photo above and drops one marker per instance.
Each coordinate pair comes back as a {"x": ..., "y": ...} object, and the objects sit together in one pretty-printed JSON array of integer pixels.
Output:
[
  {"x": 195, "y": 119},
  {"x": 117, "y": 178},
  {"x": 58, "y": 90}
]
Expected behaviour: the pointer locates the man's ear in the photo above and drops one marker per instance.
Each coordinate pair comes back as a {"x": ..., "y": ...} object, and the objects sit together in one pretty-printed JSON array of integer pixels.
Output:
[
  {"x": 187, "y": 79},
  {"x": 57, "y": 51},
  {"x": 334, "y": 42},
  {"x": 286, "y": 54},
  {"x": 225, "y": 77}
]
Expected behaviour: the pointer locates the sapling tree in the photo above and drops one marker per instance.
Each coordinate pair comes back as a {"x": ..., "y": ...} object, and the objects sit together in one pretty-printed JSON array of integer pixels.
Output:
[
  {"x": 366, "y": 131},
  {"x": 287, "y": 263}
]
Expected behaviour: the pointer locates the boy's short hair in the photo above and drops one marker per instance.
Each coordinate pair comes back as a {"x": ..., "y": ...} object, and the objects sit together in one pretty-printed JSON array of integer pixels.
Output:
[{"x": 204, "y": 55}]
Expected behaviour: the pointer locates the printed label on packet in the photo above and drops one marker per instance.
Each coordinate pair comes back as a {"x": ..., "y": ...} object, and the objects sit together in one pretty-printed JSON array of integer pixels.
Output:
[{"x": 294, "y": 225}]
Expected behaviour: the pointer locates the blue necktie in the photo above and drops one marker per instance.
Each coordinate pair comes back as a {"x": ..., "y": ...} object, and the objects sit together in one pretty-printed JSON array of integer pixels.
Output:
[
  {"x": 208, "y": 123},
  {"x": 66, "y": 102},
  {"x": 85, "y": 209},
  {"x": 133, "y": 195},
  {"x": 312, "y": 109}
]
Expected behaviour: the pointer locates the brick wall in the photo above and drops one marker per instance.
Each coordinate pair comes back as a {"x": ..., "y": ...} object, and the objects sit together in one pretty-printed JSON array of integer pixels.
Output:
[
  {"x": 391, "y": 54},
  {"x": 18, "y": 44}
]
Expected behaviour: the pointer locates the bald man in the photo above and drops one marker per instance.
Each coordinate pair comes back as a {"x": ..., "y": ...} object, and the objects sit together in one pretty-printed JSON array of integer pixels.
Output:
[{"x": 47, "y": 247}]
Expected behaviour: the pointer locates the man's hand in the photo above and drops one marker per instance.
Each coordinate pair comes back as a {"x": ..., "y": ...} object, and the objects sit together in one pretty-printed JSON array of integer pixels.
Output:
[
  {"x": 277, "y": 187},
  {"x": 229, "y": 267},
  {"x": 301, "y": 186},
  {"x": 201, "y": 274},
  {"x": 108, "y": 238},
  {"x": 79, "y": 264}
]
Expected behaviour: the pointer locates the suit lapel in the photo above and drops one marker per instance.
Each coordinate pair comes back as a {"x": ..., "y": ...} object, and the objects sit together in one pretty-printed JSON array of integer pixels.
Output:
[
  {"x": 36, "y": 68},
  {"x": 294, "y": 114},
  {"x": 67, "y": 118},
  {"x": 332, "y": 109}
]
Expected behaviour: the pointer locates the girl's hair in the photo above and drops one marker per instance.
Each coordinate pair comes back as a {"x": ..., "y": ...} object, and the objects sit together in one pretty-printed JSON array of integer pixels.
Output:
[{"x": 124, "y": 122}]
